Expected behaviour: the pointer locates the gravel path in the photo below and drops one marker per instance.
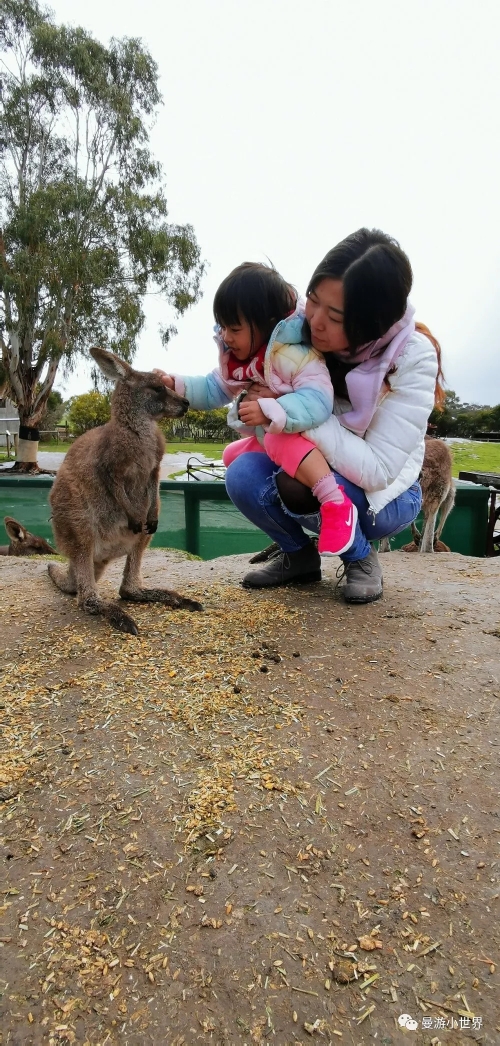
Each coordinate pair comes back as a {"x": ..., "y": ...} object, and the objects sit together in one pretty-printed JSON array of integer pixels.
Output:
[
  {"x": 172, "y": 463},
  {"x": 273, "y": 822}
]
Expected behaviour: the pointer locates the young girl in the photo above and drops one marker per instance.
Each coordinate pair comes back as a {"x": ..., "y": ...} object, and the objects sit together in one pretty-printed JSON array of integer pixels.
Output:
[{"x": 259, "y": 335}]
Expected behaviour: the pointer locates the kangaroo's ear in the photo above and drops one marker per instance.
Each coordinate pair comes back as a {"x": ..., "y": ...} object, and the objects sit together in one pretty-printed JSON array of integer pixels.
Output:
[
  {"x": 14, "y": 529},
  {"x": 112, "y": 366}
]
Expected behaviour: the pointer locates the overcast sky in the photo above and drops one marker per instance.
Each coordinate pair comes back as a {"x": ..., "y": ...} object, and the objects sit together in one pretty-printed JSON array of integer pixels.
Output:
[{"x": 288, "y": 124}]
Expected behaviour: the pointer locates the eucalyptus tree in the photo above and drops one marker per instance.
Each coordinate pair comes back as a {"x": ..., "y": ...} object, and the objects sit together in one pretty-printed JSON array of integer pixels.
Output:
[{"x": 84, "y": 234}]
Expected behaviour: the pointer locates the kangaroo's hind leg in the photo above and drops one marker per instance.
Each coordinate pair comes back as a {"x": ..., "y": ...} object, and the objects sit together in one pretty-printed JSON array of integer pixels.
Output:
[
  {"x": 132, "y": 587},
  {"x": 427, "y": 540},
  {"x": 63, "y": 576},
  {"x": 79, "y": 578},
  {"x": 416, "y": 535},
  {"x": 445, "y": 509}
]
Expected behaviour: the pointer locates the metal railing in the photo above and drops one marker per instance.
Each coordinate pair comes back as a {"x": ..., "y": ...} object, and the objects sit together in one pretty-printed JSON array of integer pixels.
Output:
[{"x": 215, "y": 469}]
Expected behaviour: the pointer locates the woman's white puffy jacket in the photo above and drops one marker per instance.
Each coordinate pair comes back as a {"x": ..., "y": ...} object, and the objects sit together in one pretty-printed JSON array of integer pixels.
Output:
[{"x": 388, "y": 458}]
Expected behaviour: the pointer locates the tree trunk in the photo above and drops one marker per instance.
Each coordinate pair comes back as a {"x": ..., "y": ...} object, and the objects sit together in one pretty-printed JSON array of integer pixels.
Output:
[
  {"x": 27, "y": 451},
  {"x": 31, "y": 403}
]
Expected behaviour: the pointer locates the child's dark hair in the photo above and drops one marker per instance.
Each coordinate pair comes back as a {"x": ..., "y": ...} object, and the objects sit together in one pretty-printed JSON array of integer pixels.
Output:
[
  {"x": 377, "y": 279},
  {"x": 257, "y": 294}
]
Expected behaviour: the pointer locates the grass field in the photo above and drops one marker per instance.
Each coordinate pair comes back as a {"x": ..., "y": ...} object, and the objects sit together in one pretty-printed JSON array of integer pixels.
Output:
[
  {"x": 475, "y": 457},
  {"x": 208, "y": 449},
  {"x": 468, "y": 456},
  {"x": 55, "y": 446}
]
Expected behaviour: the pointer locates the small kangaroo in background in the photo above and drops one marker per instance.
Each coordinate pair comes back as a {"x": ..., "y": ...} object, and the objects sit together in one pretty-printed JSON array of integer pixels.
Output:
[
  {"x": 438, "y": 495},
  {"x": 22, "y": 543},
  {"x": 105, "y": 500}
]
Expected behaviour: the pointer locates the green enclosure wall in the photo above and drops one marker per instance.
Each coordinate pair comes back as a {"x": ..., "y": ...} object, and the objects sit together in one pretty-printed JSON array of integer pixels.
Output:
[
  {"x": 195, "y": 516},
  {"x": 198, "y": 517}
]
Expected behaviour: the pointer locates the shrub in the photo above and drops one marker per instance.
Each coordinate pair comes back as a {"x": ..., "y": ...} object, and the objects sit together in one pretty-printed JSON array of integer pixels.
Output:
[
  {"x": 88, "y": 411},
  {"x": 199, "y": 424}
]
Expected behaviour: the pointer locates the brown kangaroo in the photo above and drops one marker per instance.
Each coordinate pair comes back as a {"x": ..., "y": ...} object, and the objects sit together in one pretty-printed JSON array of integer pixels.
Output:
[
  {"x": 438, "y": 493},
  {"x": 438, "y": 496},
  {"x": 22, "y": 543},
  {"x": 105, "y": 500}
]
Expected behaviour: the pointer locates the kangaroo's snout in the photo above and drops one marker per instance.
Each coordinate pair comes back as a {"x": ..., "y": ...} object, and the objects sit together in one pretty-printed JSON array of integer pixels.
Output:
[
  {"x": 169, "y": 403},
  {"x": 176, "y": 406}
]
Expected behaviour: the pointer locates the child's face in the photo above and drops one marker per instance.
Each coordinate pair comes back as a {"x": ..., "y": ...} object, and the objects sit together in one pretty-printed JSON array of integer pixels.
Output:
[{"x": 241, "y": 340}]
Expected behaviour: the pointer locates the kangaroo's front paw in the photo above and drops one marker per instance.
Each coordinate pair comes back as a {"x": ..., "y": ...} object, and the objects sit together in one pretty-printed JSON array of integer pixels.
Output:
[
  {"x": 135, "y": 526},
  {"x": 151, "y": 526}
]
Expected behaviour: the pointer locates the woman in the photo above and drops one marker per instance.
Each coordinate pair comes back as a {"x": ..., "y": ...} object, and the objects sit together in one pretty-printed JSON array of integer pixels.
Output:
[{"x": 386, "y": 374}]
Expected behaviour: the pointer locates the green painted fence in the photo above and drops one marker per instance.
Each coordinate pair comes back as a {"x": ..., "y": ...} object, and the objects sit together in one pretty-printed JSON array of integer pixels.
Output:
[
  {"x": 195, "y": 516},
  {"x": 199, "y": 517}
]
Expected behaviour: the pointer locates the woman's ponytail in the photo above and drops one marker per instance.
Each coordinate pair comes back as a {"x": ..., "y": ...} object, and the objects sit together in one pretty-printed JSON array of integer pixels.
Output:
[{"x": 439, "y": 392}]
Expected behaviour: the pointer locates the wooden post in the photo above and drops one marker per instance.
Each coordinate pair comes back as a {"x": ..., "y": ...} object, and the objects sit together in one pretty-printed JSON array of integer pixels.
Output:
[
  {"x": 492, "y": 518},
  {"x": 192, "y": 518}
]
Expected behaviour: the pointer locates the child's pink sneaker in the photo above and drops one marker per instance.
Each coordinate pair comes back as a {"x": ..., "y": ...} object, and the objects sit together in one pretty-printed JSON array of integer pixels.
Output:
[{"x": 338, "y": 524}]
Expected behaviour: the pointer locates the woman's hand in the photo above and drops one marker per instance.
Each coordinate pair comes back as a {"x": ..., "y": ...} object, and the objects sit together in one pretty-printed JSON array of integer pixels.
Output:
[
  {"x": 251, "y": 413},
  {"x": 165, "y": 378},
  {"x": 258, "y": 392}
]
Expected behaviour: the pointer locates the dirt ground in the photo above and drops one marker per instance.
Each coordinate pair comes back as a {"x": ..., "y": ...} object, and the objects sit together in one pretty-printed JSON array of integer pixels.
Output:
[{"x": 273, "y": 822}]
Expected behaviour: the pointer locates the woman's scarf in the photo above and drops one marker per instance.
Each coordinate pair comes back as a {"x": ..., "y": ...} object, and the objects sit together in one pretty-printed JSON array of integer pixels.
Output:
[{"x": 371, "y": 366}]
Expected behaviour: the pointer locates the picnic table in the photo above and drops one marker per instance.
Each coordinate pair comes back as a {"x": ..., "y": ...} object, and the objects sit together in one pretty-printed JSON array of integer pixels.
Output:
[{"x": 491, "y": 480}]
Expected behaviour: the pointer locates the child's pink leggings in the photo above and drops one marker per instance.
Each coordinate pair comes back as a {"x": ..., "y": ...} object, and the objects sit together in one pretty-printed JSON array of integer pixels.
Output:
[{"x": 286, "y": 449}]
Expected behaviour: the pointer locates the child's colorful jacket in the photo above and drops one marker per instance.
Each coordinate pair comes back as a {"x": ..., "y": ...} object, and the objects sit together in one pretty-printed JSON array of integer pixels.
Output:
[{"x": 294, "y": 371}]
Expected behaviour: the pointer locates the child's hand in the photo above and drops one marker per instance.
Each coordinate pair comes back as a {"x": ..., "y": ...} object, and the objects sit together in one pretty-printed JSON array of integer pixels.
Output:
[
  {"x": 251, "y": 414},
  {"x": 166, "y": 378}
]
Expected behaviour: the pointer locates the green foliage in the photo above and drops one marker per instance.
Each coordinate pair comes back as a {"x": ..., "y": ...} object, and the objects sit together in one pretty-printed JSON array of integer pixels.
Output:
[
  {"x": 88, "y": 411},
  {"x": 211, "y": 423},
  {"x": 84, "y": 231},
  {"x": 464, "y": 419},
  {"x": 55, "y": 410}
]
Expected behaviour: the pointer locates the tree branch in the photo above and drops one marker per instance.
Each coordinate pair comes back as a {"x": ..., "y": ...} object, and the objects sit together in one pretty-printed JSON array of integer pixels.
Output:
[
  {"x": 46, "y": 387},
  {"x": 12, "y": 365}
]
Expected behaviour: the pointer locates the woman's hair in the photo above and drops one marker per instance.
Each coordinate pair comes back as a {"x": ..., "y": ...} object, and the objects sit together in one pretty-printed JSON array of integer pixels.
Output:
[
  {"x": 439, "y": 391},
  {"x": 257, "y": 294},
  {"x": 377, "y": 280}
]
